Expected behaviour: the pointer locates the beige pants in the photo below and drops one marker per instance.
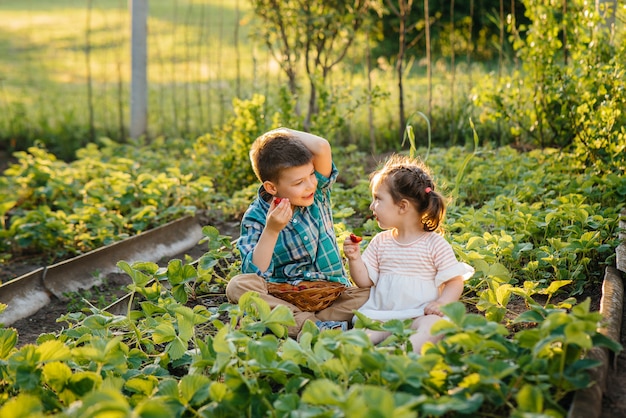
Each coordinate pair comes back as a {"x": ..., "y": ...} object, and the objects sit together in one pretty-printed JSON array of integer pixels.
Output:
[{"x": 341, "y": 309}]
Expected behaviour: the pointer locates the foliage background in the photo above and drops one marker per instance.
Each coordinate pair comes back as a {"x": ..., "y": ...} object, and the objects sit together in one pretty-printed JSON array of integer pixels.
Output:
[
  {"x": 65, "y": 71},
  {"x": 537, "y": 219}
]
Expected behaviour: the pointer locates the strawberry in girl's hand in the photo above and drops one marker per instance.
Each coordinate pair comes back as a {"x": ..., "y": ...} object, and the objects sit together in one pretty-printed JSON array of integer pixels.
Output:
[
  {"x": 356, "y": 238},
  {"x": 277, "y": 200}
]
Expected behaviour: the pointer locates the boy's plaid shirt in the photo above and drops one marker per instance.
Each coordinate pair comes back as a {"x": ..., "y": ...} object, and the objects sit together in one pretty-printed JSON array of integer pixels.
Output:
[{"x": 306, "y": 248}]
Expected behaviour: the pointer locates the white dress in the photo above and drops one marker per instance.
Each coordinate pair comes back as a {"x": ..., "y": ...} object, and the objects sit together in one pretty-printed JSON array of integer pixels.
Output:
[{"x": 408, "y": 276}]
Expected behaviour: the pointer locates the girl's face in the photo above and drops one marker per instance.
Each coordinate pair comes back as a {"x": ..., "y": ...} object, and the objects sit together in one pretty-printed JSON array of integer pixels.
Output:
[
  {"x": 298, "y": 184},
  {"x": 383, "y": 207}
]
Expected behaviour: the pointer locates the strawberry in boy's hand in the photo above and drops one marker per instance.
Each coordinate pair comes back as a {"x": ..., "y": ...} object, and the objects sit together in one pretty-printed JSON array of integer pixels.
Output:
[
  {"x": 356, "y": 238},
  {"x": 277, "y": 200}
]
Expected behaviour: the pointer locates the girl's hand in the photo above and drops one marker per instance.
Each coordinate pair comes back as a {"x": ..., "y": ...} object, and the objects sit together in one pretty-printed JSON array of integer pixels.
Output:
[
  {"x": 433, "y": 308},
  {"x": 279, "y": 215},
  {"x": 351, "y": 249}
]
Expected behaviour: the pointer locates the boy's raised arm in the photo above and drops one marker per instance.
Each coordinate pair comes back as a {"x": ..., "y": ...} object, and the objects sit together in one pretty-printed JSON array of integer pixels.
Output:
[{"x": 319, "y": 147}]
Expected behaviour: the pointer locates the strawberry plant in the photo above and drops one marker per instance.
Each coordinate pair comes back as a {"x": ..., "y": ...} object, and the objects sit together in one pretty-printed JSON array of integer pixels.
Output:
[
  {"x": 537, "y": 227},
  {"x": 169, "y": 358}
]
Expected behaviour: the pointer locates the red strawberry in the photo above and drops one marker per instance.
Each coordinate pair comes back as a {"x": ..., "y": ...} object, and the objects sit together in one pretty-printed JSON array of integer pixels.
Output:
[
  {"x": 277, "y": 200},
  {"x": 356, "y": 238}
]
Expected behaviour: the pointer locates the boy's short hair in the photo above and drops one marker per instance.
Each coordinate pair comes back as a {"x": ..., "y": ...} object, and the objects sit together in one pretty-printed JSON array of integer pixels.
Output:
[{"x": 275, "y": 151}]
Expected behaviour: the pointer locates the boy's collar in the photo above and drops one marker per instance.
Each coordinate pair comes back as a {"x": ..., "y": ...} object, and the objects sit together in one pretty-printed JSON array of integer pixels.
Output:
[{"x": 265, "y": 195}]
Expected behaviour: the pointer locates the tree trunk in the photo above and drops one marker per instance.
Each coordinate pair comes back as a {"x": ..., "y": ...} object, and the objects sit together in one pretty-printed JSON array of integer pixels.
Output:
[
  {"x": 370, "y": 110},
  {"x": 92, "y": 133},
  {"x": 453, "y": 76}
]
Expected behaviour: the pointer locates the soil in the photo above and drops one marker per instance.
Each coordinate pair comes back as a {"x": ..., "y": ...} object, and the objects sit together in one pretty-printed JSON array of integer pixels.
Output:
[{"x": 113, "y": 287}]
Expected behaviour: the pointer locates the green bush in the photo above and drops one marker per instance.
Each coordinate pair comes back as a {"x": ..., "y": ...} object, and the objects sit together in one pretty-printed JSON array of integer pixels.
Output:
[{"x": 569, "y": 91}]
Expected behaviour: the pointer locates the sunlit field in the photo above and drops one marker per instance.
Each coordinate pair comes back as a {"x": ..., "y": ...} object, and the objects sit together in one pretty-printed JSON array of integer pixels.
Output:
[{"x": 64, "y": 62}]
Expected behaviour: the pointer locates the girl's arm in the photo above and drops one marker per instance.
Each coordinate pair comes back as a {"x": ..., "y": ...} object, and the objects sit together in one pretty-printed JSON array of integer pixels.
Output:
[
  {"x": 451, "y": 292},
  {"x": 358, "y": 271}
]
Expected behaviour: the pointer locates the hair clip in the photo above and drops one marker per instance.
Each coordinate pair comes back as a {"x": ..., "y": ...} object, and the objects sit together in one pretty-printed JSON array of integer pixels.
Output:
[{"x": 428, "y": 190}]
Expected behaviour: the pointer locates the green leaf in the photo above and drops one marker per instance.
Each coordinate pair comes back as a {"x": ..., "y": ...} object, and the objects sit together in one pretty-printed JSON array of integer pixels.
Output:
[
  {"x": 164, "y": 332},
  {"x": 466, "y": 340},
  {"x": 252, "y": 304},
  {"x": 151, "y": 308},
  {"x": 8, "y": 340},
  {"x": 141, "y": 384},
  {"x": 460, "y": 404},
  {"x": 176, "y": 348},
  {"x": 138, "y": 278},
  {"x": 104, "y": 403},
  {"x": 576, "y": 333},
  {"x": 264, "y": 350},
  {"x": 84, "y": 382},
  {"x": 323, "y": 392},
  {"x": 602, "y": 340},
  {"x": 53, "y": 350},
  {"x": 528, "y": 316},
  {"x": 495, "y": 313},
  {"x": 210, "y": 232},
  {"x": 554, "y": 286},
  {"x": 528, "y": 338},
  {"x": 207, "y": 262},
  {"x": 455, "y": 312},
  {"x": 22, "y": 406},
  {"x": 443, "y": 328},
  {"x": 278, "y": 319},
  {"x": 370, "y": 401},
  {"x": 190, "y": 385},
  {"x": 174, "y": 271},
  {"x": 56, "y": 375},
  {"x": 530, "y": 399},
  {"x": 221, "y": 344},
  {"x": 146, "y": 266},
  {"x": 218, "y": 391},
  {"x": 185, "y": 321},
  {"x": 475, "y": 242},
  {"x": 395, "y": 326},
  {"x": 168, "y": 388},
  {"x": 154, "y": 408},
  {"x": 365, "y": 322},
  {"x": 180, "y": 293},
  {"x": 178, "y": 273},
  {"x": 498, "y": 271}
]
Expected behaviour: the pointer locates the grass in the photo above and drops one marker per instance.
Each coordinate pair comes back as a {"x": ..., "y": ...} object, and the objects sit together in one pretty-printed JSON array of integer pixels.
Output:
[{"x": 195, "y": 64}]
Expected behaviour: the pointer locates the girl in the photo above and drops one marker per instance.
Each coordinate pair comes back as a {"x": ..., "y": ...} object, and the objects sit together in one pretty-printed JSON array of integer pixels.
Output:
[{"x": 411, "y": 270}]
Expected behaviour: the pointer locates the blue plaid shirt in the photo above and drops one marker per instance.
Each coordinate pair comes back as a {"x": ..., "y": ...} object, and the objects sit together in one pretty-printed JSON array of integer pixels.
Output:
[{"x": 306, "y": 248}]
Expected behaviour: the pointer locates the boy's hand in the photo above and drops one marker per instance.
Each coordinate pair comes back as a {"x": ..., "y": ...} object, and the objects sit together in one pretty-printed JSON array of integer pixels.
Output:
[
  {"x": 351, "y": 248},
  {"x": 279, "y": 215}
]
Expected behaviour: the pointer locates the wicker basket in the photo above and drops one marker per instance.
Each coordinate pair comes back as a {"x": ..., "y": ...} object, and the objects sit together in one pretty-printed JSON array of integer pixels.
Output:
[{"x": 308, "y": 296}]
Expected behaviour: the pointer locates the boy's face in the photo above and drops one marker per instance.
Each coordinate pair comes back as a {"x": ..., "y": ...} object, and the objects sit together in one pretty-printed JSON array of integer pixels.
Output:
[{"x": 298, "y": 184}]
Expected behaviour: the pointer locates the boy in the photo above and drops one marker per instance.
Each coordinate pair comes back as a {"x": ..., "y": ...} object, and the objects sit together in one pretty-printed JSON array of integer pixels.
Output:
[{"x": 287, "y": 232}]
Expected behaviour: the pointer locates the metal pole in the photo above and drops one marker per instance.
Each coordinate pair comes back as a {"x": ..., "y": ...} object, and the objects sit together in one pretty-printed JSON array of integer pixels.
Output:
[{"x": 139, "y": 58}]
